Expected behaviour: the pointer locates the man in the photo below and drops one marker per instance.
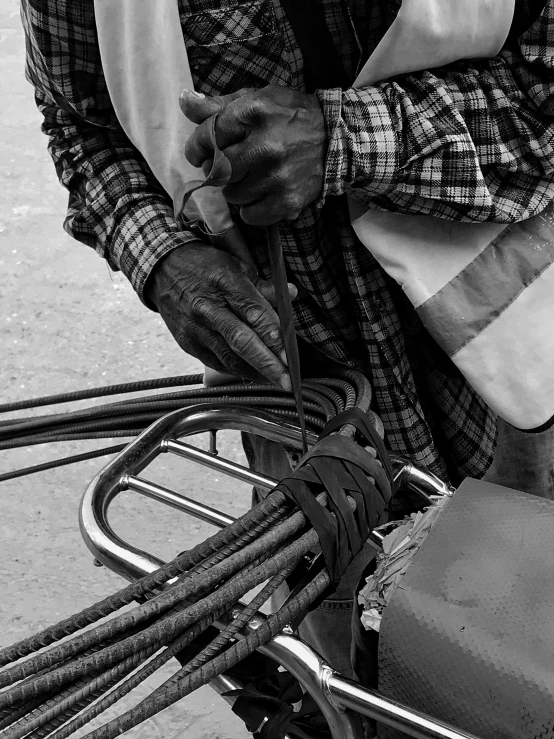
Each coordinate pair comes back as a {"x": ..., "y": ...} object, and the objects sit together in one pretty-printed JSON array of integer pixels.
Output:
[{"x": 472, "y": 141}]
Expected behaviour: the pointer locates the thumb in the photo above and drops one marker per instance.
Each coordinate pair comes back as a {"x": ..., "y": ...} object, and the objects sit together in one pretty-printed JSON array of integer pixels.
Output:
[
  {"x": 267, "y": 289},
  {"x": 198, "y": 107}
]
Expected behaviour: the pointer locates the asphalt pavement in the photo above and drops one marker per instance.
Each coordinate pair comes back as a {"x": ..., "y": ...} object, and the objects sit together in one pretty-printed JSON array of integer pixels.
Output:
[{"x": 68, "y": 323}]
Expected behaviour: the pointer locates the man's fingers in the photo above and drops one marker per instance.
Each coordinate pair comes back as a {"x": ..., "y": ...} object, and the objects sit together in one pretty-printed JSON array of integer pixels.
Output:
[
  {"x": 248, "y": 345},
  {"x": 207, "y": 357},
  {"x": 244, "y": 341},
  {"x": 268, "y": 211},
  {"x": 200, "y": 146},
  {"x": 199, "y": 149},
  {"x": 198, "y": 107},
  {"x": 246, "y": 302},
  {"x": 219, "y": 356},
  {"x": 267, "y": 289},
  {"x": 233, "y": 125},
  {"x": 247, "y": 191}
]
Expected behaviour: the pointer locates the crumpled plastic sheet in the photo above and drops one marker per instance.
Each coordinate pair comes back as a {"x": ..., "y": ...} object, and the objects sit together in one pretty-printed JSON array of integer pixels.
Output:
[{"x": 399, "y": 549}]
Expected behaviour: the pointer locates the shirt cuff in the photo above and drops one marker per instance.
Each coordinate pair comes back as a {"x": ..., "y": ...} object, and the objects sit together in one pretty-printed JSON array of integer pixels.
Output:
[
  {"x": 146, "y": 234},
  {"x": 363, "y": 142}
]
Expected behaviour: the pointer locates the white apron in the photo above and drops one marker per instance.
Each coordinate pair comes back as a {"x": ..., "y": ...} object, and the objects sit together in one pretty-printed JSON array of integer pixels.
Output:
[{"x": 483, "y": 290}]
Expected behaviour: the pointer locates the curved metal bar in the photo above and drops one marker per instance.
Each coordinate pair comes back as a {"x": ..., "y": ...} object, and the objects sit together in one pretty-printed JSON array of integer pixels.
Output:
[
  {"x": 421, "y": 481},
  {"x": 342, "y": 700},
  {"x": 370, "y": 703},
  {"x": 186, "y": 451},
  {"x": 178, "y": 501},
  {"x": 107, "y": 547},
  {"x": 310, "y": 670}
]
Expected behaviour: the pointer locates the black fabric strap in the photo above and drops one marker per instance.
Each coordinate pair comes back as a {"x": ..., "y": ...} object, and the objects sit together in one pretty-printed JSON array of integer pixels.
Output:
[
  {"x": 361, "y": 421},
  {"x": 322, "y": 68},
  {"x": 275, "y": 706},
  {"x": 322, "y": 64},
  {"x": 286, "y": 318},
  {"x": 343, "y": 469}
]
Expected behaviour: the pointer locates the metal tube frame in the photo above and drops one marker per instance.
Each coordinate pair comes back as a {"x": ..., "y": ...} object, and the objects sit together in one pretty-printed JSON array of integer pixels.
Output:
[{"x": 341, "y": 700}]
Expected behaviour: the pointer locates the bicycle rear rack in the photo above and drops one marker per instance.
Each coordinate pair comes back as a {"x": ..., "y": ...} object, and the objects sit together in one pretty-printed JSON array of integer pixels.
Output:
[{"x": 340, "y": 700}]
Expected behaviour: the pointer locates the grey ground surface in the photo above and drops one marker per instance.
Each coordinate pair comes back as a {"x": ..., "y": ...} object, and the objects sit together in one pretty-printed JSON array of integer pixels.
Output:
[{"x": 66, "y": 323}]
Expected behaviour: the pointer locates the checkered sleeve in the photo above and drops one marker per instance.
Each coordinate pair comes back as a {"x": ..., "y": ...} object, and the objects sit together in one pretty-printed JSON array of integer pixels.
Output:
[
  {"x": 473, "y": 141},
  {"x": 115, "y": 205}
]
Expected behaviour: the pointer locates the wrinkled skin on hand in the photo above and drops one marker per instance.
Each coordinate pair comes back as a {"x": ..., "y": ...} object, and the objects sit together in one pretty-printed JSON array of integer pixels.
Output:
[
  {"x": 275, "y": 141},
  {"x": 219, "y": 311}
]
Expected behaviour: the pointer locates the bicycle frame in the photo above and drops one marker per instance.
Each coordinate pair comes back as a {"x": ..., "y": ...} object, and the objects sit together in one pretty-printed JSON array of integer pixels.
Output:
[{"x": 340, "y": 700}]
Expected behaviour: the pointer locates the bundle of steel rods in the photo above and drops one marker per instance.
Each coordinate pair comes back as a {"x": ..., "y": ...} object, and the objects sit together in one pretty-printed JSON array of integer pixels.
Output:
[
  {"x": 61, "y": 679},
  {"x": 55, "y": 682},
  {"x": 323, "y": 398}
]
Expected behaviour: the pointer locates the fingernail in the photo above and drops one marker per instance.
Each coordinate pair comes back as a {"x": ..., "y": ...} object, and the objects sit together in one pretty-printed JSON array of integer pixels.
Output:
[
  {"x": 293, "y": 290},
  {"x": 283, "y": 358},
  {"x": 193, "y": 93},
  {"x": 285, "y": 383}
]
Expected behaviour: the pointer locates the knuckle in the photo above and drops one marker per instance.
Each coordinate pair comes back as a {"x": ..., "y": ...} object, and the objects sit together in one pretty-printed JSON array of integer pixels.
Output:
[
  {"x": 274, "y": 337},
  {"x": 184, "y": 340},
  {"x": 193, "y": 149},
  {"x": 227, "y": 356},
  {"x": 292, "y": 207},
  {"x": 240, "y": 340},
  {"x": 264, "y": 327},
  {"x": 229, "y": 361},
  {"x": 254, "y": 216},
  {"x": 256, "y": 105},
  {"x": 200, "y": 307},
  {"x": 278, "y": 179},
  {"x": 190, "y": 149},
  {"x": 255, "y": 316},
  {"x": 275, "y": 153},
  {"x": 219, "y": 275},
  {"x": 293, "y": 201},
  {"x": 247, "y": 109}
]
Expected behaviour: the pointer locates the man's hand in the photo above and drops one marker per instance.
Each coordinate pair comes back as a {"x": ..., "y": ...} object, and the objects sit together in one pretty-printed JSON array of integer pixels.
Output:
[
  {"x": 275, "y": 141},
  {"x": 216, "y": 310}
]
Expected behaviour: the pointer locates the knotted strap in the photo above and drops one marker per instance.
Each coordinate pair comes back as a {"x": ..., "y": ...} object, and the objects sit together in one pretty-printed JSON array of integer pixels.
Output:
[
  {"x": 343, "y": 469},
  {"x": 362, "y": 423}
]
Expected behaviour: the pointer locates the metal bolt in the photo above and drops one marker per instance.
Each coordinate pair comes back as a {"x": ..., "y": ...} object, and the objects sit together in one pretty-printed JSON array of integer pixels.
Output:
[{"x": 213, "y": 442}]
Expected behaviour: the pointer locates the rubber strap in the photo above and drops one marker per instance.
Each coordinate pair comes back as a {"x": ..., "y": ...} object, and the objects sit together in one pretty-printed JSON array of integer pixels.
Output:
[
  {"x": 286, "y": 317},
  {"x": 343, "y": 469},
  {"x": 362, "y": 422},
  {"x": 323, "y": 67}
]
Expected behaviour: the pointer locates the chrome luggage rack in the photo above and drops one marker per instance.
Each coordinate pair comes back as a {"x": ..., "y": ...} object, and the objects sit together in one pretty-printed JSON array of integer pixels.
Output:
[{"x": 340, "y": 699}]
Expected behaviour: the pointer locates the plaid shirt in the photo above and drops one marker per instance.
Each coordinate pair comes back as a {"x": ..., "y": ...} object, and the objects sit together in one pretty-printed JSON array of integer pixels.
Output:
[{"x": 472, "y": 141}]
